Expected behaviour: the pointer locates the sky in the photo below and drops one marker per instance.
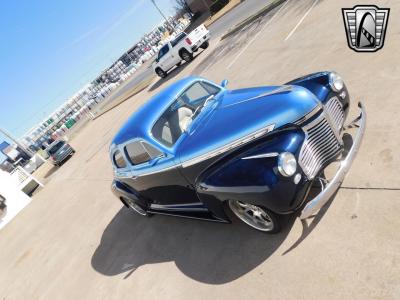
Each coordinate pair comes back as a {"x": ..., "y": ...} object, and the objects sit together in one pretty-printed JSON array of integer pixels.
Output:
[{"x": 50, "y": 49}]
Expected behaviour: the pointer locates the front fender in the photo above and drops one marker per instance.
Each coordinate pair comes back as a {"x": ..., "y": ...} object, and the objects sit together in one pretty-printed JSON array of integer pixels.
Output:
[
  {"x": 318, "y": 84},
  {"x": 256, "y": 180}
]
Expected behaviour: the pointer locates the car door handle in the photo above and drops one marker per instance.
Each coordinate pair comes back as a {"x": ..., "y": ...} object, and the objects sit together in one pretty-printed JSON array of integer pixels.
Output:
[{"x": 134, "y": 177}]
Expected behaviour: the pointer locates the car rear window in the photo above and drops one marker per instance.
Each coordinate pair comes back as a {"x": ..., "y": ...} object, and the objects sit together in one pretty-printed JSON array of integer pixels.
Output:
[
  {"x": 56, "y": 147},
  {"x": 179, "y": 38},
  {"x": 119, "y": 160}
]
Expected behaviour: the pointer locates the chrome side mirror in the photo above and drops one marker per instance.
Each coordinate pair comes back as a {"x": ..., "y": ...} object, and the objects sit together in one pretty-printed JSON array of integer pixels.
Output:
[{"x": 224, "y": 83}]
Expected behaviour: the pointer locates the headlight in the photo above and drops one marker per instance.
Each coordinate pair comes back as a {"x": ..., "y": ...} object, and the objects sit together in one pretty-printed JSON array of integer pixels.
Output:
[
  {"x": 287, "y": 164},
  {"x": 336, "y": 82}
]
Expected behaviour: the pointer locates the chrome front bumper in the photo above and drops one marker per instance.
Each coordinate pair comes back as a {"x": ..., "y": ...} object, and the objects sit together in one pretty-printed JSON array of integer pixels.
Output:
[{"x": 329, "y": 190}]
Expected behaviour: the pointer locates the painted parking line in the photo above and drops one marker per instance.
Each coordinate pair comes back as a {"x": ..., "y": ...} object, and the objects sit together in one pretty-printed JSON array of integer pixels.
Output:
[
  {"x": 301, "y": 20},
  {"x": 255, "y": 37}
]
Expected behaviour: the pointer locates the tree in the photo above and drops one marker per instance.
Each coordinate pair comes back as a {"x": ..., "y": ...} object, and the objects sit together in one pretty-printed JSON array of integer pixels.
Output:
[{"x": 181, "y": 7}]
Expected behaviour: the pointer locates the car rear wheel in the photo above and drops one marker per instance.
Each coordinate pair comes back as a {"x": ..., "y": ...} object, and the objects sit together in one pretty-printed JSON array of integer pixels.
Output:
[
  {"x": 135, "y": 207},
  {"x": 185, "y": 55},
  {"x": 204, "y": 45},
  {"x": 161, "y": 73},
  {"x": 255, "y": 216}
]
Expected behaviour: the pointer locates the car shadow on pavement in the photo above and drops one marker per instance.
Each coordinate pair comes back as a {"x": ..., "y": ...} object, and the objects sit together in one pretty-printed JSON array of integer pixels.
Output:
[
  {"x": 54, "y": 168},
  {"x": 174, "y": 72},
  {"x": 204, "y": 251},
  {"x": 310, "y": 224},
  {"x": 51, "y": 171}
]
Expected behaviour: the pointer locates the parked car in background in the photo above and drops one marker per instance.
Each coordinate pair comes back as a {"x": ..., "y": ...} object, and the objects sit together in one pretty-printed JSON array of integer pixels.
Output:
[
  {"x": 180, "y": 48},
  {"x": 198, "y": 149},
  {"x": 3, "y": 206},
  {"x": 59, "y": 151}
]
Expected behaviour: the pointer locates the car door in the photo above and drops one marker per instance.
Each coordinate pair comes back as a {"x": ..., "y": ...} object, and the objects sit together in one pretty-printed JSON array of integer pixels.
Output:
[
  {"x": 171, "y": 57},
  {"x": 155, "y": 176},
  {"x": 165, "y": 61}
]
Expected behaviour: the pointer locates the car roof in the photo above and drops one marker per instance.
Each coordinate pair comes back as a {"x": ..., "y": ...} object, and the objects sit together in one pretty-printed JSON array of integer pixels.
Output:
[{"x": 140, "y": 123}]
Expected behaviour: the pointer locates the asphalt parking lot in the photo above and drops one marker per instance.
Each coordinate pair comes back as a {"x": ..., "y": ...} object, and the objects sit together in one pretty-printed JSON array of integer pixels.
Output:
[{"x": 76, "y": 241}]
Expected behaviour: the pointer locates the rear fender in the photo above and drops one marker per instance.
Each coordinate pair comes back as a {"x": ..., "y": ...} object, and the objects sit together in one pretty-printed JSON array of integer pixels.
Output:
[{"x": 122, "y": 190}]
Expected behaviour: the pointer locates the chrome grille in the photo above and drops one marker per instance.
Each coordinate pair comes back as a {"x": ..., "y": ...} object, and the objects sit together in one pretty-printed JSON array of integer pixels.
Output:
[
  {"x": 320, "y": 145},
  {"x": 335, "y": 111}
]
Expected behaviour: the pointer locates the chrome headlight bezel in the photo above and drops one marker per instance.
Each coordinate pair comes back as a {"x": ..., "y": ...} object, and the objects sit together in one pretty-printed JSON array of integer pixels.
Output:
[
  {"x": 287, "y": 164},
  {"x": 336, "y": 82}
]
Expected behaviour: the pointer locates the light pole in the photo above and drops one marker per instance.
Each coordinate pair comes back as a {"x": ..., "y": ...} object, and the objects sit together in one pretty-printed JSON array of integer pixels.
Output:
[
  {"x": 159, "y": 10},
  {"x": 28, "y": 152}
]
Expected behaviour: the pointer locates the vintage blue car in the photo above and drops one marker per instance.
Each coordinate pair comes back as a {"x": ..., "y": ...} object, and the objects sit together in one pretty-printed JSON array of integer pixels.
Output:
[{"x": 198, "y": 149}]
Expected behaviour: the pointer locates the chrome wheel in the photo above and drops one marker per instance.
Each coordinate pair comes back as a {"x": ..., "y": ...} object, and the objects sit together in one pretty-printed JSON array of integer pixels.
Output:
[
  {"x": 255, "y": 216},
  {"x": 135, "y": 207}
]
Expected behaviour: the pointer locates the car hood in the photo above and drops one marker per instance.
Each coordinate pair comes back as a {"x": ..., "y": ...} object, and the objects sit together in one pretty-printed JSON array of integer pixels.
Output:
[{"x": 241, "y": 112}]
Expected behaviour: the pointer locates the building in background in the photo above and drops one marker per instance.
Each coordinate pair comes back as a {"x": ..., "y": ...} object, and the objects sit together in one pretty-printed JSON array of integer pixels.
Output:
[
  {"x": 65, "y": 117},
  {"x": 199, "y": 6}
]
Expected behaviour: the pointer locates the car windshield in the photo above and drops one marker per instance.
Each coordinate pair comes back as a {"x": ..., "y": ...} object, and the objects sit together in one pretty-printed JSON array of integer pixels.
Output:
[
  {"x": 53, "y": 149},
  {"x": 180, "y": 114}
]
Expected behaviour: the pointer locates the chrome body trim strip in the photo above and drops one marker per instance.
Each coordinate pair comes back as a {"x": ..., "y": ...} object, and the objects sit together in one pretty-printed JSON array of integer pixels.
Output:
[
  {"x": 264, "y": 155},
  {"x": 281, "y": 89},
  {"x": 186, "y": 216},
  {"x": 143, "y": 174},
  {"x": 179, "y": 207},
  {"x": 319, "y": 201},
  {"x": 230, "y": 146}
]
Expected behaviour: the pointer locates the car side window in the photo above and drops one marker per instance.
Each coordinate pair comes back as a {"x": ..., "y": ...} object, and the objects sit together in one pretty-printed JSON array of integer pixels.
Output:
[
  {"x": 139, "y": 152},
  {"x": 164, "y": 50},
  {"x": 153, "y": 152},
  {"x": 119, "y": 160}
]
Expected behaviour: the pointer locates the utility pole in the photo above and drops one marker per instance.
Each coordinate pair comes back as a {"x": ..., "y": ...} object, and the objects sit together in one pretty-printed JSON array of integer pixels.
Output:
[
  {"x": 159, "y": 10},
  {"x": 28, "y": 152}
]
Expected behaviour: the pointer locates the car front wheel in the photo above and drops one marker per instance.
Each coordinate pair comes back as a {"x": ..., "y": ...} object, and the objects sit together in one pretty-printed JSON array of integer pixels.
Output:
[
  {"x": 255, "y": 216},
  {"x": 161, "y": 73}
]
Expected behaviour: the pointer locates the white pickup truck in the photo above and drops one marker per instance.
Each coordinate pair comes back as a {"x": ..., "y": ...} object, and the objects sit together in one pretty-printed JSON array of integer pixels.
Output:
[{"x": 180, "y": 48}]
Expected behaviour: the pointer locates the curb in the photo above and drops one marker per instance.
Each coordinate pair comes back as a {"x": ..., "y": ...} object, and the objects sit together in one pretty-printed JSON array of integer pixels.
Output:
[
  {"x": 252, "y": 18},
  {"x": 134, "y": 91},
  {"x": 213, "y": 21}
]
